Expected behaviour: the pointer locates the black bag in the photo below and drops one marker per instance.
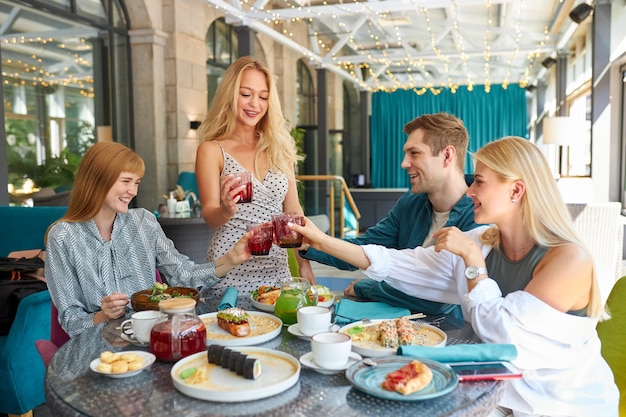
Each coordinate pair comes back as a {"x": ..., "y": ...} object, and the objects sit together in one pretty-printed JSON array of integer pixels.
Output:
[
  {"x": 15, "y": 268},
  {"x": 17, "y": 280}
]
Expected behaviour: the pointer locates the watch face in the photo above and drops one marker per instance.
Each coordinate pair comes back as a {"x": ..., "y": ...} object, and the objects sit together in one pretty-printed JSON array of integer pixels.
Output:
[{"x": 471, "y": 272}]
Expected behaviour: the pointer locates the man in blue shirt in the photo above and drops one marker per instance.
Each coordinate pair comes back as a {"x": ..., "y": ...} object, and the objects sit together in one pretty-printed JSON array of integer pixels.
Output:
[{"x": 434, "y": 158}]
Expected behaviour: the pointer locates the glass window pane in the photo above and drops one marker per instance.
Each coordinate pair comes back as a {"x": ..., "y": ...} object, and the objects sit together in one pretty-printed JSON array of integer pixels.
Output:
[{"x": 92, "y": 9}]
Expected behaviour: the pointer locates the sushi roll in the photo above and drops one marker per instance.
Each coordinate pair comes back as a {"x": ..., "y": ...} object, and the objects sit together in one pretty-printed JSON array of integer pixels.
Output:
[
  {"x": 388, "y": 334},
  {"x": 239, "y": 362},
  {"x": 214, "y": 353},
  {"x": 251, "y": 368},
  {"x": 223, "y": 362},
  {"x": 232, "y": 360},
  {"x": 406, "y": 331}
]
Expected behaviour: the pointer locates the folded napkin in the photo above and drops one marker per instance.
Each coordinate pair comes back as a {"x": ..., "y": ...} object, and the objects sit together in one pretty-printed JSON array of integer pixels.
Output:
[
  {"x": 482, "y": 352},
  {"x": 229, "y": 299},
  {"x": 348, "y": 311}
]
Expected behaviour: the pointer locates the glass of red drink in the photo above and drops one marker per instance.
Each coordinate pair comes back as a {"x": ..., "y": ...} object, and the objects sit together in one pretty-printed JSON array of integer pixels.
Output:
[
  {"x": 261, "y": 241},
  {"x": 243, "y": 178},
  {"x": 286, "y": 237}
]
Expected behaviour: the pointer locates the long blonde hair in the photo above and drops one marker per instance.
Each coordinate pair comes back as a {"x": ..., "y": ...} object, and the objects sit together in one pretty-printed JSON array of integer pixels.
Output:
[
  {"x": 98, "y": 171},
  {"x": 274, "y": 137},
  {"x": 544, "y": 214}
]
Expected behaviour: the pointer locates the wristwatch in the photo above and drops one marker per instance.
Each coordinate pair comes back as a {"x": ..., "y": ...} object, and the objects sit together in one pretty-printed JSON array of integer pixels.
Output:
[{"x": 472, "y": 272}]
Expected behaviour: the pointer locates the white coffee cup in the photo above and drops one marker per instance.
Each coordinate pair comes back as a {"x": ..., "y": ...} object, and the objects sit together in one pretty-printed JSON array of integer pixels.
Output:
[
  {"x": 331, "y": 350},
  {"x": 313, "y": 319},
  {"x": 140, "y": 324}
]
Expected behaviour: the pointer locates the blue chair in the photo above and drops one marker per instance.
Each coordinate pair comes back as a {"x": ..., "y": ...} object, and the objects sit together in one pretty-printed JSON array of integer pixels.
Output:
[
  {"x": 22, "y": 373},
  {"x": 187, "y": 181}
]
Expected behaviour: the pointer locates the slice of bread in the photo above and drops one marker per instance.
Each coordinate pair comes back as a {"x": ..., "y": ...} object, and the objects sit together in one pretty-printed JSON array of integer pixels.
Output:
[{"x": 235, "y": 321}]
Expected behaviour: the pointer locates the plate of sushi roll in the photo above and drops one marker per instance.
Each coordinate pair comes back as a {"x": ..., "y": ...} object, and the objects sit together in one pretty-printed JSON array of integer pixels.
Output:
[
  {"x": 234, "y": 374},
  {"x": 383, "y": 337}
]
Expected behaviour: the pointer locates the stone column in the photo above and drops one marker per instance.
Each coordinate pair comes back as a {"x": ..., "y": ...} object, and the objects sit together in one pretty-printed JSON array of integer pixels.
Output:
[{"x": 148, "y": 46}]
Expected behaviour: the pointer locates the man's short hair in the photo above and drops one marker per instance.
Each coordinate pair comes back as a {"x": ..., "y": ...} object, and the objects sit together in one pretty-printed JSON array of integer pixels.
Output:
[{"x": 440, "y": 130}]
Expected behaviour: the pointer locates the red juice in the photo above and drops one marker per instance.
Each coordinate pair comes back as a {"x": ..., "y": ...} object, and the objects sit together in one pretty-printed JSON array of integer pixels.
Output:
[
  {"x": 245, "y": 194},
  {"x": 259, "y": 247},
  {"x": 192, "y": 340}
]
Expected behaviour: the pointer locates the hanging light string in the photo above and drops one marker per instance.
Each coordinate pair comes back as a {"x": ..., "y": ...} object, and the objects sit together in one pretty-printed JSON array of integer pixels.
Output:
[
  {"x": 31, "y": 69},
  {"x": 487, "y": 46},
  {"x": 518, "y": 37},
  {"x": 458, "y": 41}
]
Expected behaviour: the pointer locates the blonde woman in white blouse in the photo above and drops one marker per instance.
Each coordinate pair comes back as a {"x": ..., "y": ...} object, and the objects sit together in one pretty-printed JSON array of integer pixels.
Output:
[{"x": 551, "y": 304}]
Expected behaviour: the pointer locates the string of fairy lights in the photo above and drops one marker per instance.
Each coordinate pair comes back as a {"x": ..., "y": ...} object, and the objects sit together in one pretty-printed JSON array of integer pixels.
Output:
[
  {"x": 375, "y": 65},
  {"x": 386, "y": 72},
  {"x": 33, "y": 70}
]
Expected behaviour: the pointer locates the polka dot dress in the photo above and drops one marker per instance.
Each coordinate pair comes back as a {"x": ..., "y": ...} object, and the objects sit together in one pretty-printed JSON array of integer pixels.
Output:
[{"x": 267, "y": 198}]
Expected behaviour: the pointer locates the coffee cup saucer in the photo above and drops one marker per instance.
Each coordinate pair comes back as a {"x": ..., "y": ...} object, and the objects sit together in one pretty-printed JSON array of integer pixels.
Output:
[
  {"x": 294, "y": 329},
  {"x": 307, "y": 361},
  {"x": 131, "y": 339}
]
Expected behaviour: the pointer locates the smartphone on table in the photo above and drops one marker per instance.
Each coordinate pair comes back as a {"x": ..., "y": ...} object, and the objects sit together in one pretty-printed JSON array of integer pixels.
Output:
[{"x": 481, "y": 371}]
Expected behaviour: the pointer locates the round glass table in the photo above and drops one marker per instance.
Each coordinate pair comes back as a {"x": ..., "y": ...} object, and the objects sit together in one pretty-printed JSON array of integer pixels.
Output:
[{"x": 73, "y": 389}]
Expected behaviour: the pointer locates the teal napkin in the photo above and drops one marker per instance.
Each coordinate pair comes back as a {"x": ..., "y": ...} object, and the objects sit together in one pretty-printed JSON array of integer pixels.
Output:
[
  {"x": 348, "y": 311},
  {"x": 482, "y": 352},
  {"x": 229, "y": 299}
]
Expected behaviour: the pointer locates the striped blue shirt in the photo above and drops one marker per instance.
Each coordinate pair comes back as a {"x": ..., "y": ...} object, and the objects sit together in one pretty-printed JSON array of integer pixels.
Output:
[{"x": 82, "y": 268}]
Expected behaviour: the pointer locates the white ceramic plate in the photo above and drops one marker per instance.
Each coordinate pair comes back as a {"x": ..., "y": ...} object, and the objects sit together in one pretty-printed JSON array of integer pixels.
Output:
[
  {"x": 373, "y": 348},
  {"x": 263, "y": 327},
  {"x": 270, "y": 307},
  {"x": 262, "y": 306},
  {"x": 279, "y": 372},
  {"x": 307, "y": 361},
  {"x": 148, "y": 359}
]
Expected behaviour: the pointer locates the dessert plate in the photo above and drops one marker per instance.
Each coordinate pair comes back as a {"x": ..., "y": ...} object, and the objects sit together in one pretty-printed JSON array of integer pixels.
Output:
[
  {"x": 368, "y": 378},
  {"x": 148, "y": 359}
]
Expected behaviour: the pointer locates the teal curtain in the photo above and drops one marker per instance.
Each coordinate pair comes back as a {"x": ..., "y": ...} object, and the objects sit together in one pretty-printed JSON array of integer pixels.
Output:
[{"x": 487, "y": 117}]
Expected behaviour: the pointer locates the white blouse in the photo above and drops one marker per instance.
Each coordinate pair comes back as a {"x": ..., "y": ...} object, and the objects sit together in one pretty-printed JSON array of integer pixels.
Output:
[{"x": 559, "y": 353}]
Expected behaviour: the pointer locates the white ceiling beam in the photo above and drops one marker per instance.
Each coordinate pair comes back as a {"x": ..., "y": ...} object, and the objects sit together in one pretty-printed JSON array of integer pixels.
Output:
[
  {"x": 261, "y": 28},
  {"x": 356, "y": 8}
]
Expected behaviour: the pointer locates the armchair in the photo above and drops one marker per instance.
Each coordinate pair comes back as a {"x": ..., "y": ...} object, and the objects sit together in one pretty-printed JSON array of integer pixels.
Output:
[{"x": 21, "y": 371}]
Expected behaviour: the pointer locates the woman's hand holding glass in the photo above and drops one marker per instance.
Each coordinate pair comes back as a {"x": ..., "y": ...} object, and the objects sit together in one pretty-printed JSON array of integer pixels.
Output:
[{"x": 229, "y": 196}]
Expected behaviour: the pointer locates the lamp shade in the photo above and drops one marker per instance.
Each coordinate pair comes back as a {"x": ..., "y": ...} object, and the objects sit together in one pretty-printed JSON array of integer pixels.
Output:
[{"x": 561, "y": 130}]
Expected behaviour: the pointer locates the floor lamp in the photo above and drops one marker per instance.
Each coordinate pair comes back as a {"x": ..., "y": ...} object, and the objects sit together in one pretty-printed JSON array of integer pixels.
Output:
[{"x": 561, "y": 131}]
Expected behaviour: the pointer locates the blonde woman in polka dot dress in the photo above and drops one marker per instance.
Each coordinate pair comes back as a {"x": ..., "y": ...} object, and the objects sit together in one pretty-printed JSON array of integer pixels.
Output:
[{"x": 245, "y": 131}]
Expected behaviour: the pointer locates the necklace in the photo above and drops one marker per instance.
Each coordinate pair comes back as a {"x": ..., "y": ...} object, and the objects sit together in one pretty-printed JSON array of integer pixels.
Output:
[
  {"x": 254, "y": 140},
  {"x": 517, "y": 254}
]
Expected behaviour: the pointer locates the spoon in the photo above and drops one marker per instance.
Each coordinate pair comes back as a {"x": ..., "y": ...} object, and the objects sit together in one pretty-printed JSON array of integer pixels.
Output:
[{"x": 369, "y": 362}]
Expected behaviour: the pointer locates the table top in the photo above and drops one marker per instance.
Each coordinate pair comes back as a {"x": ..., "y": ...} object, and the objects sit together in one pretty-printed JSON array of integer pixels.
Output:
[
  {"x": 181, "y": 219},
  {"x": 72, "y": 389}
]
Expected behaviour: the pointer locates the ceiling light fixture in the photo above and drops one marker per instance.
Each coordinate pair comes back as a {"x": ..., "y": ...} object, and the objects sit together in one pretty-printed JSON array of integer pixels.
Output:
[{"x": 580, "y": 12}]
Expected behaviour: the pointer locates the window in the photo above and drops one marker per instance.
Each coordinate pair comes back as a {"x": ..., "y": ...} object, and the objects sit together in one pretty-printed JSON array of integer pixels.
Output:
[
  {"x": 222, "y": 50},
  {"x": 305, "y": 99},
  {"x": 64, "y": 73}
]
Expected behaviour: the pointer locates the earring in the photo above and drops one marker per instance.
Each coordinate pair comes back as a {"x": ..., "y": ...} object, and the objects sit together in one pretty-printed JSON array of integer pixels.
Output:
[{"x": 512, "y": 200}]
